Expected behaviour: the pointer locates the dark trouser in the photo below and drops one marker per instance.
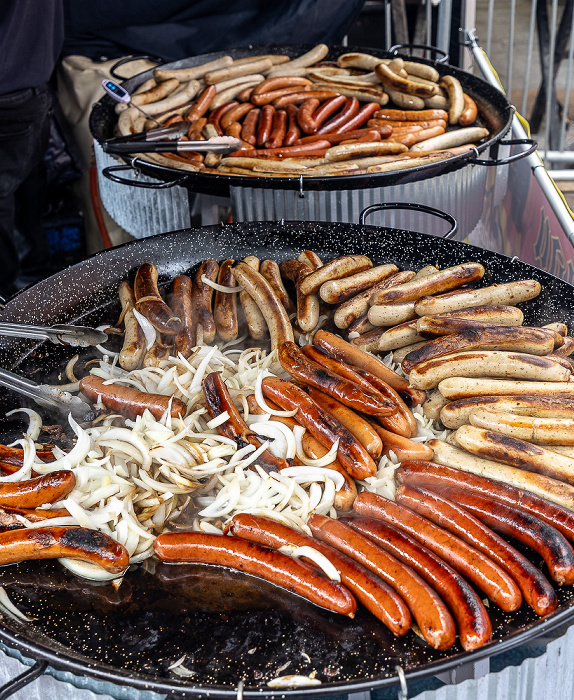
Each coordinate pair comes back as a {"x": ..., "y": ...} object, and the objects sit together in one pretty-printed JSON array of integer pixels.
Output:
[{"x": 24, "y": 132}]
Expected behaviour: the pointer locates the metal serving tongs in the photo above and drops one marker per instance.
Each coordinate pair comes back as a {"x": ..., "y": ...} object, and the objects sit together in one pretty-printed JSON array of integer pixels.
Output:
[
  {"x": 76, "y": 336},
  {"x": 48, "y": 396}
]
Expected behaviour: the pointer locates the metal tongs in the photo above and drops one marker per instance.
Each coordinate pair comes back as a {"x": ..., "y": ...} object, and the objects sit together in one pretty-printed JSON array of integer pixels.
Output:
[
  {"x": 76, "y": 336},
  {"x": 48, "y": 396},
  {"x": 166, "y": 139}
]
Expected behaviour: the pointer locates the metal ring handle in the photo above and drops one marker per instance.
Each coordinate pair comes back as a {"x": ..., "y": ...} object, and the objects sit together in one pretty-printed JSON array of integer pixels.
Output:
[
  {"x": 129, "y": 59},
  {"x": 517, "y": 156},
  {"x": 23, "y": 679},
  {"x": 413, "y": 207},
  {"x": 426, "y": 47},
  {"x": 110, "y": 173}
]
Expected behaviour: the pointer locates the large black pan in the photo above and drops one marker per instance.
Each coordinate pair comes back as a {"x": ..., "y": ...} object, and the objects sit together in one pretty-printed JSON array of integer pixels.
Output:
[
  {"x": 495, "y": 112},
  {"x": 230, "y": 628}
]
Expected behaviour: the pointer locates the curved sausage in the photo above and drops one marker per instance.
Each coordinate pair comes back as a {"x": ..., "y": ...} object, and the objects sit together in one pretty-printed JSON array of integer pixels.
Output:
[
  {"x": 335, "y": 269},
  {"x": 128, "y": 401},
  {"x": 477, "y": 568},
  {"x": 278, "y": 130},
  {"x": 307, "y": 304},
  {"x": 468, "y": 610},
  {"x": 427, "y": 608},
  {"x": 256, "y": 324},
  {"x": 402, "y": 422},
  {"x": 535, "y": 587},
  {"x": 377, "y": 596},
  {"x": 218, "y": 401},
  {"x": 335, "y": 124},
  {"x": 181, "y": 303},
  {"x": 56, "y": 542},
  {"x": 270, "y": 270},
  {"x": 201, "y": 104},
  {"x": 134, "y": 346},
  {"x": 202, "y": 296},
  {"x": 351, "y": 454},
  {"x": 293, "y": 131},
  {"x": 149, "y": 302},
  {"x": 225, "y": 304},
  {"x": 249, "y": 127},
  {"x": 235, "y": 553},
  {"x": 265, "y": 125}
]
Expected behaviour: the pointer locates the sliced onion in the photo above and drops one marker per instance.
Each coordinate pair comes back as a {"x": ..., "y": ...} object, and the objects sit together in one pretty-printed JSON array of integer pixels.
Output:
[
  {"x": 35, "y": 424},
  {"x": 27, "y": 463},
  {"x": 304, "y": 474},
  {"x": 70, "y": 369},
  {"x": 8, "y": 607},
  {"x": 198, "y": 378},
  {"x": 101, "y": 348},
  {"x": 331, "y": 456},
  {"x": 287, "y": 447},
  {"x": 353, "y": 334},
  {"x": 87, "y": 570},
  {"x": 221, "y": 287},
  {"x": 261, "y": 401},
  {"x": 148, "y": 330},
  {"x": 292, "y": 682},
  {"x": 315, "y": 556},
  {"x": 218, "y": 420}
]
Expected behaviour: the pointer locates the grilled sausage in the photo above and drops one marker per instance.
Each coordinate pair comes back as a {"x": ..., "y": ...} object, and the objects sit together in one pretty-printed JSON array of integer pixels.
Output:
[
  {"x": 377, "y": 596},
  {"x": 256, "y": 324},
  {"x": 461, "y": 387},
  {"x": 336, "y": 290},
  {"x": 128, "y": 401},
  {"x": 235, "y": 553},
  {"x": 472, "y": 619},
  {"x": 307, "y": 304},
  {"x": 477, "y": 568},
  {"x": 225, "y": 304},
  {"x": 535, "y": 587},
  {"x": 202, "y": 296},
  {"x": 540, "y": 431},
  {"x": 334, "y": 270},
  {"x": 270, "y": 270},
  {"x": 134, "y": 345},
  {"x": 182, "y": 305},
  {"x": 427, "y": 608},
  {"x": 31, "y": 493},
  {"x": 149, "y": 302}
]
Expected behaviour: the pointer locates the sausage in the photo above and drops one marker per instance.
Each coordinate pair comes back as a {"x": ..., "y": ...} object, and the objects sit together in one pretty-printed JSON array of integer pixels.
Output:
[
  {"x": 503, "y": 293},
  {"x": 358, "y": 60},
  {"x": 540, "y": 431},
  {"x": 385, "y": 339},
  {"x": 225, "y": 304},
  {"x": 72, "y": 542},
  {"x": 278, "y": 83},
  {"x": 567, "y": 347},
  {"x": 516, "y": 340},
  {"x": 351, "y": 454},
  {"x": 256, "y": 324},
  {"x": 348, "y": 151},
  {"x": 249, "y": 128},
  {"x": 278, "y": 130},
  {"x": 438, "y": 477},
  {"x": 389, "y": 77},
  {"x": 358, "y": 426},
  {"x": 301, "y": 367},
  {"x": 265, "y": 125},
  {"x": 436, "y": 326},
  {"x": 452, "y": 139},
  {"x": 461, "y": 387},
  {"x": 181, "y": 303},
  {"x": 149, "y": 302},
  {"x": 334, "y": 125},
  {"x": 342, "y": 350},
  {"x": 192, "y": 72},
  {"x": 284, "y": 571},
  {"x": 128, "y": 401},
  {"x": 270, "y": 270},
  {"x": 476, "y": 567},
  {"x": 345, "y": 496},
  {"x": 358, "y": 305},
  {"x": 524, "y": 527},
  {"x": 377, "y": 596},
  {"x": 202, "y": 296},
  {"x": 269, "y": 97},
  {"x": 535, "y": 587},
  {"x": 267, "y": 301},
  {"x": 308, "y": 150},
  {"x": 307, "y": 304},
  {"x": 469, "y": 112},
  {"x": 336, "y": 289},
  {"x": 159, "y": 351},
  {"x": 551, "y": 489},
  {"x": 435, "y": 283},
  {"x": 235, "y": 70},
  {"x": 310, "y": 258},
  {"x": 31, "y": 493},
  {"x": 314, "y": 55},
  {"x": 360, "y": 118},
  {"x": 402, "y": 447},
  {"x": 302, "y": 96},
  {"x": 201, "y": 104},
  {"x": 312, "y": 114},
  {"x": 515, "y": 453},
  {"x": 235, "y": 114},
  {"x": 391, "y": 314},
  {"x": 487, "y": 363},
  {"x": 428, "y": 610},
  {"x": 157, "y": 93},
  {"x": 215, "y": 116},
  {"x": 134, "y": 345},
  {"x": 471, "y": 617},
  {"x": 293, "y": 131},
  {"x": 334, "y": 270},
  {"x": 455, "y": 97},
  {"x": 457, "y": 413},
  {"x": 356, "y": 134}
]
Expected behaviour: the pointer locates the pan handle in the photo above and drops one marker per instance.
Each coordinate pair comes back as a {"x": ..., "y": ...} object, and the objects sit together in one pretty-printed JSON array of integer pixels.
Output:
[
  {"x": 129, "y": 59},
  {"x": 443, "y": 56},
  {"x": 111, "y": 170},
  {"x": 23, "y": 679},
  {"x": 533, "y": 145},
  {"x": 409, "y": 206}
]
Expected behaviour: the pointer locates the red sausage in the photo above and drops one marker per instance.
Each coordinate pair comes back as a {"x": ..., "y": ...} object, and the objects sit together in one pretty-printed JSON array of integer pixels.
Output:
[
  {"x": 278, "y": 130},
  {"x": 282, "y": 570},
  {"x": 128, "y": 401},
  {"x": 215, "y": 117},
  {"x": 293, "y": 131},
  {"x": 334, "y": 125},
  {"x": 472, "y": 620},
  {"x": 249, "y": 128},
  {"x": 265, "y": 125},
  {"x": 180, "y": 303},
  {"x": 74, "y": 542},
  {"x": 201, "y": 104},
  {"x": 149, "y": 301},
  {"x": 535, "y": 587},
  {"x": 429, "y": 611},
  {"x": 377, "y": 596},
  {"x": 477, "y": 568},
  {"x": 360, "y": 118},
  {"x": 31, "y": 493}
]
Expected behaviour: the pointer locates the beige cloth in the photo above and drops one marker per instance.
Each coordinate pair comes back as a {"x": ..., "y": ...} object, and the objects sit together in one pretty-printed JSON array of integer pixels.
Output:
[{"x": 79, "y": 86}]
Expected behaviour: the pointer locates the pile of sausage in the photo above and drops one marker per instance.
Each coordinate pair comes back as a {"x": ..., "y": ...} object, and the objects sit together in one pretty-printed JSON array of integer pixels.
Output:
[
  {"x": 26, "y": 498},
  {"x": 308, "y": 116}
]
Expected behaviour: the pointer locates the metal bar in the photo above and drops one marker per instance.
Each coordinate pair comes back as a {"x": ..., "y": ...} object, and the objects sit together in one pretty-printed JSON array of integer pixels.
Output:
[
  {"x": 554, "y": 198},
  {"x": 443, "y": 25},
  {"x": 528, "y": 65},
  {"x": 23, "y": 679},
  {"x": 567, "y": 86},
  {"x": 489, "y": 25},
  {"x": 510, "y": 60},
  {"x": 551, "y": 115},
  {"x": 557, "y": 156}
]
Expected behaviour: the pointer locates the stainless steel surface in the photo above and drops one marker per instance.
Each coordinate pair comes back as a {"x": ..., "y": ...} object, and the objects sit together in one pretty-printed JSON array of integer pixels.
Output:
[
  {"x": 219, "y": 144},
  {"x": 76, "y": 336}
]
